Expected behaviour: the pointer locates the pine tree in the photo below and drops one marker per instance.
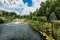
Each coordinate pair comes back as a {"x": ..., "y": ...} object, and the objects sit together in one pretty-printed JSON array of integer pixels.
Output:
[{"x": 52, "y": 16}]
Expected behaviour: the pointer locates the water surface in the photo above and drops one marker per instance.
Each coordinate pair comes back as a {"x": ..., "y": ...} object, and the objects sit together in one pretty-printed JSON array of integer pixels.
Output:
[{"x": 18, "y": 31}]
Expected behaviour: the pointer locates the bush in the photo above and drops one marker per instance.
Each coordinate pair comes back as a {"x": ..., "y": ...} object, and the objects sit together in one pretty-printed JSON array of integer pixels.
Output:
[
  {"x": 1, "y": 20},
  {"x": 42, "y": 19},
  {"x": 52, "y": 17}
]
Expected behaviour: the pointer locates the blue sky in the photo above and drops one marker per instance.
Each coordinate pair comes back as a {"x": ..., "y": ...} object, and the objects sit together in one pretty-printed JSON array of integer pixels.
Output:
[
  {"x": 22, "y": 7},
  {"x": 28, "y": 1}
]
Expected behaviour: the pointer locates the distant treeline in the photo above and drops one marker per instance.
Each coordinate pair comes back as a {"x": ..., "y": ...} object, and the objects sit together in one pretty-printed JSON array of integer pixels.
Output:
[{"x": 7, "y": 16}]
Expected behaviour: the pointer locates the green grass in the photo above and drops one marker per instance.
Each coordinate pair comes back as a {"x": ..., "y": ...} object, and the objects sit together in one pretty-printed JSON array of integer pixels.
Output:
[
  {"x": 41, "y": 27},
  {"x": 57, "y": 31},
  {"x": 5, "y": 20}
]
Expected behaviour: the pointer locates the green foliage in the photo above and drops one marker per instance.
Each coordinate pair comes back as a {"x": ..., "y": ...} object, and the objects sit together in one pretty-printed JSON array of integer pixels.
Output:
[
  {"x": 42, "y": 18},
  {"x": 30, "y": 15},
  {"x": 50, "y": 9},
  {"x": 6, "y": 16},
  {"x": 46, "y": 9},
  {"x": 1, "y": 20},
  {"x": 0, "y": 13},
  {"x": 56, "y": 29},
  {"x": 52, "y": 17},
  {"x": 25, "y": 17}
]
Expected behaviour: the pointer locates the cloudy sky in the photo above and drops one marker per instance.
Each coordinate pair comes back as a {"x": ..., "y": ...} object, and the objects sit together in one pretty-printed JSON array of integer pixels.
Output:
[{"x": 21, "y": 7}]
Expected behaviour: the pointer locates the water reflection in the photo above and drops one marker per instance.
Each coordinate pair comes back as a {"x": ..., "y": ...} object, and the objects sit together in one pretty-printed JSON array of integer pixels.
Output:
[{"x": 18, "y": 31}]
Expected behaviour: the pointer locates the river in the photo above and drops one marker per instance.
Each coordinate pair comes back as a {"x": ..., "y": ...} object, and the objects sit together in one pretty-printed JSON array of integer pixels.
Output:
[{"x": 18, "y": 31}]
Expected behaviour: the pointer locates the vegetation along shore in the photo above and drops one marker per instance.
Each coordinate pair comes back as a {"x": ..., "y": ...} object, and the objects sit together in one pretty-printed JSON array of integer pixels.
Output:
[{"x": 46, "y": 19}]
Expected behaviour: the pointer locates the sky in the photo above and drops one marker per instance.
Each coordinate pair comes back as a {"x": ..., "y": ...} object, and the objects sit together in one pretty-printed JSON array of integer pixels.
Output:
[{"x": 22, "y": 7}]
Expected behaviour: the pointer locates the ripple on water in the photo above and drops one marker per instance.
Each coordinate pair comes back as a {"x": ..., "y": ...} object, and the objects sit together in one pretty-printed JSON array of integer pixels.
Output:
[{"x": 18, "y": 31}]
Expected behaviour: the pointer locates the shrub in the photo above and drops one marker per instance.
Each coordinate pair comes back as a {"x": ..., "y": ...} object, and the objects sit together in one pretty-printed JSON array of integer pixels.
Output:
[
  {"x": 42, "y": 19},
  {"x": 1, "y": 20}
]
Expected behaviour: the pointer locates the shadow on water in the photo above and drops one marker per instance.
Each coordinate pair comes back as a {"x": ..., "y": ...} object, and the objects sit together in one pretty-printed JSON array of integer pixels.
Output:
[
  {"x": 38, "y": 33},
  {"x": 19, "y": 31}
]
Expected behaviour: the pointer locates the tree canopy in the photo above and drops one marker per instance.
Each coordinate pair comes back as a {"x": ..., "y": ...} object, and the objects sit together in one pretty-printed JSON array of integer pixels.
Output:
[{"x": 50, "y": 9}]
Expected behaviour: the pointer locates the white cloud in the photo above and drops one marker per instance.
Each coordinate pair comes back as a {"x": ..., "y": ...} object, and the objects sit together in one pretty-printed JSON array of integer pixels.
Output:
[
  {"x": 14, "y": 4},
  {"x": 36, "y": 5}
]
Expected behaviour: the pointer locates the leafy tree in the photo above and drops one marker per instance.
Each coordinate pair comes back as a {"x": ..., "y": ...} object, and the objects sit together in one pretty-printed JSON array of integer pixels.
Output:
[
  {"x": 52, "y": 17},
  {"x": 7, "y": 16},
  {"x": 30, "y": 16},
  {"x": 47, "y": 7},
  {"x": 42, "y": 19}
]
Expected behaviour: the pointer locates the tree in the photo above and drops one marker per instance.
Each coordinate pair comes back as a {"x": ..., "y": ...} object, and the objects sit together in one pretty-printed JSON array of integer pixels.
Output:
[
  {"x": 52, "y": 16},
  {"x": 30, "y": 16},
  {"x": 0, "y": 13}
]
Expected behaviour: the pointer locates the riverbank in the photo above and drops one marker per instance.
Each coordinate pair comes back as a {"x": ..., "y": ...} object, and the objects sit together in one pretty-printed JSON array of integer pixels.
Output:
[
  {"x": 39, "y": 29},
  {"x": 46, "y": 37},
  {"x": 36, "y": 26}
]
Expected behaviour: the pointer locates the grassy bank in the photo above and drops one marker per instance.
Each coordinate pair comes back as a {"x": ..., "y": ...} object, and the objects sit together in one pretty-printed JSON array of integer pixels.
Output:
[
  {"x": 56, "y": 28},
  {"x": 5, "y": 20},
  {"x": 42, "y": 28}
]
